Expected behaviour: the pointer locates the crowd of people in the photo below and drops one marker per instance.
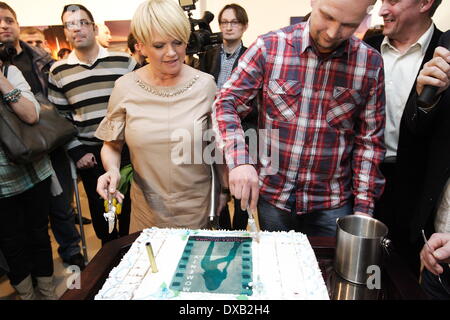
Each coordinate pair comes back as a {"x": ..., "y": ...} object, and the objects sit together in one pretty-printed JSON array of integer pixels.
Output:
[{"x": 340, "y": 117}]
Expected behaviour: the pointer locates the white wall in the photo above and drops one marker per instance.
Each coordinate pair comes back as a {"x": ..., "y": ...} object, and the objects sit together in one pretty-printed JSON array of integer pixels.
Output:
[
  {"x": 48, "y": 12},
  {"x": 264, "y": 15}
]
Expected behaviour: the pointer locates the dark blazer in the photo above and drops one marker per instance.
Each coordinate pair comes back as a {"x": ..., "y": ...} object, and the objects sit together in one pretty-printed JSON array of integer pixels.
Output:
[
  {"x": 423, "y": 159},
  {"x": 423, "y": 162}
]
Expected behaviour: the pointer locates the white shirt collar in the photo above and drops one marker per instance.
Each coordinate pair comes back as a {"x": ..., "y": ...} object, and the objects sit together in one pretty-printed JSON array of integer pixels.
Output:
[
  {"x": 423, "y": 41},
  {"x": 73, "y": 59}
]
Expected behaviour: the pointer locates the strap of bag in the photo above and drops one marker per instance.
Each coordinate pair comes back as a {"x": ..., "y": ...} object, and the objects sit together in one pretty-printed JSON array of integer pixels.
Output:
[
  {"x": 5, "y": 70},
  {"x": 5, "y": 73}
]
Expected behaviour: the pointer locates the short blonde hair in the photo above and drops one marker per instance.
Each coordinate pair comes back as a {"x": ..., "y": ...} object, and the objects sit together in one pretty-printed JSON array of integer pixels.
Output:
[{"x": 160, "y": 17}]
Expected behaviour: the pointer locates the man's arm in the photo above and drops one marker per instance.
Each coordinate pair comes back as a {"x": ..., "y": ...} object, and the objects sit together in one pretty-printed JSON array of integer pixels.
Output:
[
  {"x": 244, "y": 84},
  {"x": 75, "y": 148},
  {"x": 369, "y": 149}
]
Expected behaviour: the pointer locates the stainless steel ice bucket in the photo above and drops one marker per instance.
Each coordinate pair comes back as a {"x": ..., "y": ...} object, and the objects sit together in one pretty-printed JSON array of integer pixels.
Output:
[{"x": 359, "y": 245}]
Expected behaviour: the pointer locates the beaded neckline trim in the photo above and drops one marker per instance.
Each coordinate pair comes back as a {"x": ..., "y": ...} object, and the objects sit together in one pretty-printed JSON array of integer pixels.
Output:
[{"x": 168, "y": 93}]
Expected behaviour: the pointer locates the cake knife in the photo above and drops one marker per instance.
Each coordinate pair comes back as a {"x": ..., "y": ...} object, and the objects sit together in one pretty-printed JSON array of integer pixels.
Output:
[
  {"x": 212, "y": 220},
  {"x": 110, "y": 215},
  {"x": 252, "y": 224}
]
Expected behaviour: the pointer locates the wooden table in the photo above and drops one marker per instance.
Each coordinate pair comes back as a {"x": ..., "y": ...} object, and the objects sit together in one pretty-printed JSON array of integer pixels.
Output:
[{"x": 397, "y": 282}]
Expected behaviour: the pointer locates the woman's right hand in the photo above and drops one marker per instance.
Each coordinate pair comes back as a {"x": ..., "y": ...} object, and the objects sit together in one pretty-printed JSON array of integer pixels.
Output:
[{"x": 107, "y": 183}]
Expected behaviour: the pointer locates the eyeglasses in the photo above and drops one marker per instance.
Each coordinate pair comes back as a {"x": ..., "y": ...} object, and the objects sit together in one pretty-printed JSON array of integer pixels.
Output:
[
  {"x": 233, "y": 23},
  {"x": 443, "y": 284},
  {"x": 71, "y": 25}
]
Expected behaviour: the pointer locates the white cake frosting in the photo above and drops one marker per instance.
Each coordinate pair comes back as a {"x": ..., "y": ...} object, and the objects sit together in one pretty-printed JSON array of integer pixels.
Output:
[{"x": 284, "y": 266}]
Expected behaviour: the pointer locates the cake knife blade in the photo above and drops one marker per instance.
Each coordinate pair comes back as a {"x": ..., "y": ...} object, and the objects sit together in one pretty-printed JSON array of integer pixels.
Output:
[
  {"x": 212, "y": 219},
  {"x": 252, "y": 224}
]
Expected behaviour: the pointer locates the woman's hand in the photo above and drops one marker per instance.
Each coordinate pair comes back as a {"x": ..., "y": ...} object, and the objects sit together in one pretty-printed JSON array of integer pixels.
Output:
[{"x": 107, "y": 184}]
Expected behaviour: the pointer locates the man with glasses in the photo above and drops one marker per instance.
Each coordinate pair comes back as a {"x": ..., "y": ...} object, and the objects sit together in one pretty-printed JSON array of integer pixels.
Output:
[
  {"x": 233, "y": 22},
  {"x": 35, "y": 63},
  {"x": 80, "y": 87}
]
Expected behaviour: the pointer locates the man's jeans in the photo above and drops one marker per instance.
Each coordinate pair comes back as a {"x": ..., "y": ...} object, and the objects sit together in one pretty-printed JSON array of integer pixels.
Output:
[
  {"x": 319, "y": 223},
  {"x": 61, "y": 212}
]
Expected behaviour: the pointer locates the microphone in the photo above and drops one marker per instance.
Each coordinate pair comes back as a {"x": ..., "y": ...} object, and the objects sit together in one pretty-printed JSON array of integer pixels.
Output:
[{"x": 426, "y": 98}]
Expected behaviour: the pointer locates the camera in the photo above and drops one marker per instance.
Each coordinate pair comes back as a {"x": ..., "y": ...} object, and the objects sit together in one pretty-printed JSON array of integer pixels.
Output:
[
  {"x": 7, "y": 51},
  {"x": 202, "y": 38}
]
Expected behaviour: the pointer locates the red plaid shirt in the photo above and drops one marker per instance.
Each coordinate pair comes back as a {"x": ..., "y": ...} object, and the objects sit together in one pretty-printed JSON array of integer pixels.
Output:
[{"x": 324, "y": 117}]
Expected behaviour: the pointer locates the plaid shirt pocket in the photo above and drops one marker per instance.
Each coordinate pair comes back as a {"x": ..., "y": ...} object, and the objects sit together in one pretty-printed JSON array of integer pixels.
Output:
[
  {"x": 283, "y": 99},
  {"x": 342, "y": 108}
]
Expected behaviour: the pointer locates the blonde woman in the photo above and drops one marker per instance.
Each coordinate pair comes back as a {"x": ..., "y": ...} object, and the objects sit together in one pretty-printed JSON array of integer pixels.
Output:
[{"x": 158, "y": 110}]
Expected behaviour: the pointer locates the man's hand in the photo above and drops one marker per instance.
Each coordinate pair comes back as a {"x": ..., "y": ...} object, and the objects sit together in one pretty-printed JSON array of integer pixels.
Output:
[
  {"x": 88, "y": 161},
  {"x": 244, "y": 185},
  {"x": 440, "y": 244},
  {"x": 435, "y": 72}
]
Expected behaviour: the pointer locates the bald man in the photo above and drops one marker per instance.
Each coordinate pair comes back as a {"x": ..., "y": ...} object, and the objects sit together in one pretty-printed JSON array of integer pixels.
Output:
[{"x": 104, "y": 35}]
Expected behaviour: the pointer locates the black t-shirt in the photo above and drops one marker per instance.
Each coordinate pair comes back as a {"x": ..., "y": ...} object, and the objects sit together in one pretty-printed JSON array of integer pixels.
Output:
[{"x": 25, "y": 64}]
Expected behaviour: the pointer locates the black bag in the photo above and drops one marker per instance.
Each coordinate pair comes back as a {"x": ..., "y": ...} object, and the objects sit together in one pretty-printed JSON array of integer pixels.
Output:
[{"x": 24, "y": 143}]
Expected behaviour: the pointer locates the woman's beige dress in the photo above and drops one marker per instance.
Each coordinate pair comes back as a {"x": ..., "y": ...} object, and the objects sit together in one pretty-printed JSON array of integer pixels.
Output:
[{"x": 163, "y": 128}]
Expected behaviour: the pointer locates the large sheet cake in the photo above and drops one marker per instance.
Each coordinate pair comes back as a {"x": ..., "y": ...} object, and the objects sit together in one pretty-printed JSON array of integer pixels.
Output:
[{"x": 205, "y": 264}]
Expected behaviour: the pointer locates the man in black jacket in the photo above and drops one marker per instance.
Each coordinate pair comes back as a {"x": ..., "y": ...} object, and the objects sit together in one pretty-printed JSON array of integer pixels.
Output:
[
  {"x": 431, "y": 127},
  {"x": 409, "y": 40},
  {"x": 221, "y": 60}
]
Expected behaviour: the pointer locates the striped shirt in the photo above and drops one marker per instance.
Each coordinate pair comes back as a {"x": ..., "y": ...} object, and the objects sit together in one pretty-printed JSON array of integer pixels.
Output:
[
  {"x": 323, "y": 115},
  {"x": 81, "y": 92}
]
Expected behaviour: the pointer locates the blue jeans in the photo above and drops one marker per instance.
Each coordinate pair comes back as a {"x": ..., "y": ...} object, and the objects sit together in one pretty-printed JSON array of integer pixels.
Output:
[
  {"x": 61, "y": 212},
  {"x": 320, "y": 223}
]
